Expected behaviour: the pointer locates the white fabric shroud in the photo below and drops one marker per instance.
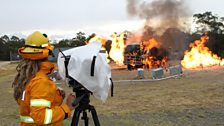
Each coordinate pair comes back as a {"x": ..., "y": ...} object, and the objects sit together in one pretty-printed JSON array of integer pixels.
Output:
[{"x": 79, "y": 68}]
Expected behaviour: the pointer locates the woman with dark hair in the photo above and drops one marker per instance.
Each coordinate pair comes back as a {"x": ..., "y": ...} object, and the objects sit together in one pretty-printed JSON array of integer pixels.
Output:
[{"x": 39, "y": 99}]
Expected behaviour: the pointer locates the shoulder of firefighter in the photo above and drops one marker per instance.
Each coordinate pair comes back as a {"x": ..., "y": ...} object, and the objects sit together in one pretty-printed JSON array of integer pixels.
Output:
[{"x": 41, "y": 103}]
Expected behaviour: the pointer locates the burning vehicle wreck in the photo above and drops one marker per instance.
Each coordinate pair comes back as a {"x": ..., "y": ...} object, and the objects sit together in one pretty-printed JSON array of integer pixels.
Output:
[{"x": 142, "y": 56}]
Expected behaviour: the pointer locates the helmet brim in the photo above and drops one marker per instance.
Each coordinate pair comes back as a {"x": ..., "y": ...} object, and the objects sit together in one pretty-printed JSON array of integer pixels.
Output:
[
  {"x": 30, "y": 53},
  {"x": 31, "y": 50}
]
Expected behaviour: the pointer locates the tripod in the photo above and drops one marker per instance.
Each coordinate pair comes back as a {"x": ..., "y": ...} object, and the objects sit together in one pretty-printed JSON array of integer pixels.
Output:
[{"x": 82, "y": 108}]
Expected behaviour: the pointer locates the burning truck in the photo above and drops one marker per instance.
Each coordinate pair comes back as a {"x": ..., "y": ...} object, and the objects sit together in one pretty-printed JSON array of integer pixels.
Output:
[{"x": 145, "y": 55}]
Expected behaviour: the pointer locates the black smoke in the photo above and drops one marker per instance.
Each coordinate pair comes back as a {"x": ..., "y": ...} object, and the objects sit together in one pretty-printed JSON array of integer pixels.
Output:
[
  {"x": 167, "y": 13},
  {"x": 171, "y": 26}
]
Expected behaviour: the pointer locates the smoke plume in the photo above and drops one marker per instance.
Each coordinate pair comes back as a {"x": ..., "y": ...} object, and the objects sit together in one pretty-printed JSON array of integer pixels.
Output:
[{"x": 166, "y": 13}]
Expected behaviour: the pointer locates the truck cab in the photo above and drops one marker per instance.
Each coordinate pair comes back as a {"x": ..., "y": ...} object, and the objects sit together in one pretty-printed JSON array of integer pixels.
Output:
[{"x": 133, "y": 56}]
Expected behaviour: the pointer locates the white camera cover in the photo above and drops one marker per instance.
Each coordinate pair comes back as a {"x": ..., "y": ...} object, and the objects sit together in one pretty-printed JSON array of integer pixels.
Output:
[{"x": 79, "y": 68}]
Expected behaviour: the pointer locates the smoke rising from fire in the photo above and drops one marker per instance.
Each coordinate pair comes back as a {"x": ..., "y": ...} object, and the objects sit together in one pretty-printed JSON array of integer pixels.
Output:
[{"x": 166, "y": 13}]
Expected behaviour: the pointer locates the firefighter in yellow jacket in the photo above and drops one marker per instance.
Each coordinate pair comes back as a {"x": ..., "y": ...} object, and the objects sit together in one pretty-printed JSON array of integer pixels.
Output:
[{"x": 39, "y": 99}]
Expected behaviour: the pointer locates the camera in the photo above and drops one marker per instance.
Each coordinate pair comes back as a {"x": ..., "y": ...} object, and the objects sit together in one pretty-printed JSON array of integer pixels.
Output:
[
  {"x": 82, "y": 93},
  {"x": 86, "y": 70}
]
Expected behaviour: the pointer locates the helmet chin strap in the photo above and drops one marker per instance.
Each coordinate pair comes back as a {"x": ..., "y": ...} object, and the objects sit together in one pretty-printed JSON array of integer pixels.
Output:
[{"x": 51, "y": 71}]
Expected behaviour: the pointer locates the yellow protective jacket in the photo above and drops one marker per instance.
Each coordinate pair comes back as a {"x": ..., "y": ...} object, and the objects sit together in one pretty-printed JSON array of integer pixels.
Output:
[{"x": 41, "y": 103}]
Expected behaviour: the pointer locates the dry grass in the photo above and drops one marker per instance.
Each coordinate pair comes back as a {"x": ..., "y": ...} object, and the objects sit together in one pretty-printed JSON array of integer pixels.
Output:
[{"x": 196, "y": 98}]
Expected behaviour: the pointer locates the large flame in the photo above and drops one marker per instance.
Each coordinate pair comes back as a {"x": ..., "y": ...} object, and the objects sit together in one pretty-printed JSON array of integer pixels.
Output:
[
  {"x": 103, "y": 42},
  {"x": 200, "y": 55},
  {"x": 151, "y": 59},
  {"x": 117, "y": 48},
  {"x": 99, "y": 39},
  {"x": 151, "y": 43}
]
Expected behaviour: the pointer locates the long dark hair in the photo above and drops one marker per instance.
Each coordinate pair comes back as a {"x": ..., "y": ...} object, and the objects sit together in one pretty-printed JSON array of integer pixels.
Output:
[{"x": 26, "y": 69}]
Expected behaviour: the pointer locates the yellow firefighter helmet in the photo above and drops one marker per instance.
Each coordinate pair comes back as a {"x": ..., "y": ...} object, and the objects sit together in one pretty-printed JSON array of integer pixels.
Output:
[{"x": 37, "y": 47}]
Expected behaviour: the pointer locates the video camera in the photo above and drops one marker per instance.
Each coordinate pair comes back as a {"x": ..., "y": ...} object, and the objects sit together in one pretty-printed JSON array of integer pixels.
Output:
[
  {"x": 82, "y": 93},
  {"x": 87, "y": 72}
]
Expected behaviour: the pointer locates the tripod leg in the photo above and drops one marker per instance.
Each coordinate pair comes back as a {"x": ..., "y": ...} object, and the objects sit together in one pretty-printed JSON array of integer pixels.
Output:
[
  {"x": 85, "y": 118},
  {"x": 75, "y": 118},
  {"x": 94, "y": 115}
]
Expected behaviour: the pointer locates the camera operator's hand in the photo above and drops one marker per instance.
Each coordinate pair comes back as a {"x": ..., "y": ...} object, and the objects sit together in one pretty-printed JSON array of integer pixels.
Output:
[{"x": 69, "y": 100}]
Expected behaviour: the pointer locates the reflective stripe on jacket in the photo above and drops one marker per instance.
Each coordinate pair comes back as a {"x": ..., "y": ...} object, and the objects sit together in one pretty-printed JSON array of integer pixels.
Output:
[
  {"x": 42, "y": 102},
  {"x": 26, "y": 119}
]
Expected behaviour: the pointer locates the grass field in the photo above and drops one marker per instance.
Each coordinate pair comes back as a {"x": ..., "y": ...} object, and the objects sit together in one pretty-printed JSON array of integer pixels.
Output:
[{"x": 194, "y": 99}]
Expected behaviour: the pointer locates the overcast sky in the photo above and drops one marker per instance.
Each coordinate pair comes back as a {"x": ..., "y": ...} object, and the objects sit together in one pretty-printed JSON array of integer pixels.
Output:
[{"x": 67, "y": 17}]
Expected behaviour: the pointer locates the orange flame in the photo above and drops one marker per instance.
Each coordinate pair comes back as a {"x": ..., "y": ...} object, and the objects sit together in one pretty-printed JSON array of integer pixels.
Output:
[
  {"x": 150, "y": 60},
  {"x": 152, "y": 43},
  {"x": 102, "y": 40},
  {"x": 98, "y": 39},
  {"x": 200, "y": 55},
  {"x": 117, "y": 48}
]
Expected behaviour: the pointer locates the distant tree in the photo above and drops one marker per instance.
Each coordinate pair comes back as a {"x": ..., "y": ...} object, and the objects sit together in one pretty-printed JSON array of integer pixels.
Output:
[
  {"x": 213, "y": 24},
  {"x": 3, "y": 49},
  {"x": 79, "y": 40},
  {"x": 64, "y": 43},
  {"x": 15, "y": 43},
  {"x": 9, "y": 45},
  {"x": 209, "y": 22},
  {"x": 14, "y": 38},
  {"x": 5, "y": 38}
]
